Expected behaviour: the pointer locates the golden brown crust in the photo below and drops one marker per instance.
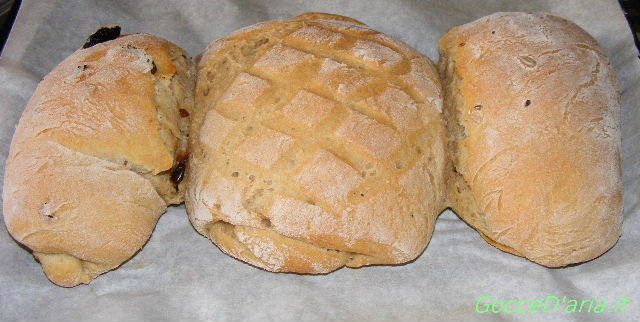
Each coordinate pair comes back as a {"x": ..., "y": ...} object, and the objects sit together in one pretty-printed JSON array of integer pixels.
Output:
[
  {"x": 326, "y": 16},
  {"x": 316, "y": 144},
  {"x": 533, "y": 109},
  {"x": 87, "y": 174}
]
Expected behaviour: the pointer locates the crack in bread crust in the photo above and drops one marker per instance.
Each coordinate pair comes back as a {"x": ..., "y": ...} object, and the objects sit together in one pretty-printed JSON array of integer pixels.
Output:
[{"x": 243, "y": 251}]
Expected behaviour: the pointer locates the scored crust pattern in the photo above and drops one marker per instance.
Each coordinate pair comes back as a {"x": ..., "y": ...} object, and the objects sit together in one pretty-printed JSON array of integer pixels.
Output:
[{"x": 319, "y": 144}]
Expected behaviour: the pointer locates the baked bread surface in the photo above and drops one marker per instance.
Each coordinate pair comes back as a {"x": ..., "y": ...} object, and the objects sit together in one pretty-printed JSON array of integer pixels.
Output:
[
  {"x": 88, "y": 171},
  {"x": 316, "y": 143},
  {"x": 532, "y": 106}
]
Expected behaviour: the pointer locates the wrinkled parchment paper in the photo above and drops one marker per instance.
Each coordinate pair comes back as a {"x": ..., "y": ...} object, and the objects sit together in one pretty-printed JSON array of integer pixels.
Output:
[{"x": 182, "y": 276}]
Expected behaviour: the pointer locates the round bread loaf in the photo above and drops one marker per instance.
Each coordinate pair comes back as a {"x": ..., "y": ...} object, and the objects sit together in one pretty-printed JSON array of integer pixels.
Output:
[
  {"x": 316, "y": 143},
  {"x": 532, "y": 106},
  {"x": 88, "y": 172}
]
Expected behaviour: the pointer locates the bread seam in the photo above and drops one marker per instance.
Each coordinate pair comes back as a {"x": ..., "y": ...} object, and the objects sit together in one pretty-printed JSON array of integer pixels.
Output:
[
  {"x": 116, "y": 166},
  {"x": 350, "y": 256},
  {"x": 457, "y": 186}
]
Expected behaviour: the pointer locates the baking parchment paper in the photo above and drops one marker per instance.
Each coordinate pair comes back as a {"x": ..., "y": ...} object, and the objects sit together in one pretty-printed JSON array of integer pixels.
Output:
[{"x": 182, "y": 276}]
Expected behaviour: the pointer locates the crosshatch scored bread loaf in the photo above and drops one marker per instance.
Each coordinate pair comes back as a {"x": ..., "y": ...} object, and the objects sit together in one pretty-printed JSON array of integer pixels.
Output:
[
  {"x": 532, "y": 106},
  {"x": 88, "y": 173},
  {"x": 316, "y": 143}
]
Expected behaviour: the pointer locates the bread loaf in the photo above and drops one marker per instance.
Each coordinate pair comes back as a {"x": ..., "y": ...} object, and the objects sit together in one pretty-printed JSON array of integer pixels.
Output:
[
  {"x": 316, "y": 143},
  {"x": 532, "y": 106},
  {"x": 88, "y": 172}
]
